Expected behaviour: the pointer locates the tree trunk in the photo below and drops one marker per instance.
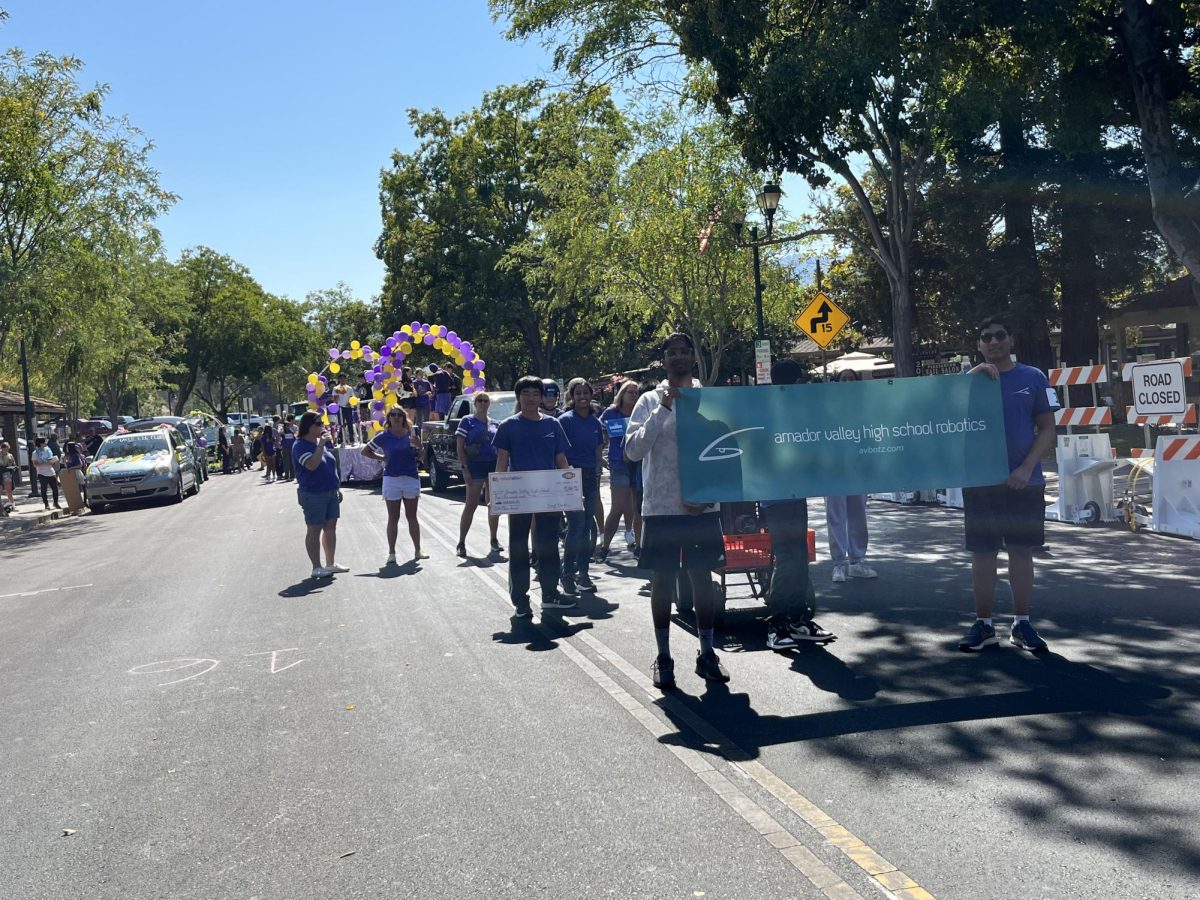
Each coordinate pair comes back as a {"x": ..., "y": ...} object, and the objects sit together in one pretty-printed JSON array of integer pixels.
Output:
[
  {"x": 1174, "y": 215},
  {"x": 1017, "y": 277},
  {"x": 902, "y": 318}
]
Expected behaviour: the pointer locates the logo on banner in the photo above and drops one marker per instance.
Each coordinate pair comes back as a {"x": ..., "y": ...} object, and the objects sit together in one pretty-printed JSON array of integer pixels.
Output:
[{"x": 725, "y": 452}]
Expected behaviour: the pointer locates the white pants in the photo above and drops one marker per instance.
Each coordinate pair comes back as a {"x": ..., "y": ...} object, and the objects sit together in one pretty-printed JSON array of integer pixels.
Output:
[{"x": 847, "y": 521}]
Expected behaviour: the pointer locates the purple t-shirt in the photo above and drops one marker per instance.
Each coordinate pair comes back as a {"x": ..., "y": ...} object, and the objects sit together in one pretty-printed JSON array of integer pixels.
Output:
[
  {"x": 615, "y": 422},
  {"x": 421, "y": 388},
  {"x": 442, "y": 382},
  {"x": 1025, "y": 393},
  {"x": 585, "y": 433},
  {"x": 532, "y": 444}
]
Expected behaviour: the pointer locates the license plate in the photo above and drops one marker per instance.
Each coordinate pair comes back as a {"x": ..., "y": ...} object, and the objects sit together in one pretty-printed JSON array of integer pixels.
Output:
[{"x": 128, "y": 490}]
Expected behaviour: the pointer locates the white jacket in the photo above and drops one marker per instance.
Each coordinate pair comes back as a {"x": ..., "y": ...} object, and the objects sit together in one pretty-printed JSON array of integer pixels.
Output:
[{"x": 651, "y": 438}]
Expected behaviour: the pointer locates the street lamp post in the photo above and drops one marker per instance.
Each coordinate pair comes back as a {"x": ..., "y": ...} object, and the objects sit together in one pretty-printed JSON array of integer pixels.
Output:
[{"x": 768, "y": 203}]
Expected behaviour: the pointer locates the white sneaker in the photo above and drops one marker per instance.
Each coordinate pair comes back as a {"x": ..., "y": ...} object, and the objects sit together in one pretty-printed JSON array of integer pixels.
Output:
[
  {"x": 335, "y": 569},
  {"x": 839, "y": 574},
  {"x": 321, "y": 572},
  {"x": 391, "y": 560},
  {"x": 861, "y": 570},
  {"x": 630, "y": 539}
]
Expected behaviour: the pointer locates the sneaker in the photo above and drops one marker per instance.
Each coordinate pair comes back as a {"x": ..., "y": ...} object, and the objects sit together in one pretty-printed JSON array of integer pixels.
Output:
[
  {"x": 496, "y": 548},
  {"x": 568, "y": 586},
  {"x": 708, "y": 667},
  {"x": 321, "y": 572},
  {"x": 586, "y": 584},
  {"x": 419, "y": 555},
  {"x": 337, "y": 568},
  {"x": 839, "y": 574},
  {"x": 779, "y": 635},
  {"x": 523, "y": 611},
  {"x": 981, "y": 635},
  {"x": 630, "y": 539},
  {"x": 808, "y": 631},
  {"x": 662, "y": 673},
  {"x": 601, "y": 554},
  {"x": 1025, "y": 636},
  {"x": 461, "y": 550},
  {"x": 861, "y": 570},
  {"x": 391, "y": 560},
  {"x": 558, "y": 601}
]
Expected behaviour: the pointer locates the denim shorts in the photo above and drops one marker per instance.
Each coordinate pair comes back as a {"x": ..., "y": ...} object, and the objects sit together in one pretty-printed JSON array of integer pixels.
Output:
[
  {"x": 401, "y": 487},
  {"x": 619, "y": 477},
  {"x": 481, "y": 470},
  {"x": 319, "y": 508}
]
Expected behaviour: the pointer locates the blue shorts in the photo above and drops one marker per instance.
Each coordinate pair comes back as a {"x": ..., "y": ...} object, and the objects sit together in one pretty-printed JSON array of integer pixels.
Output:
[
  {"x": 441, "y": 403},
  {"x": 319, "y": 508},
  {"x": 619, "y": 477},
  {"x": 481, "y": 470}
]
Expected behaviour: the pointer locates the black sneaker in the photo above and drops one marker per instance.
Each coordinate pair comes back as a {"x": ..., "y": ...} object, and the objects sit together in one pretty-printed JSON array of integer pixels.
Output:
[
  {"x": 586, "y": 584},
  {"x": 663, "y": 672},
  {"x": 708, "y": 667},
  {"x": 496, "y": 548},
  {"x": 601, "y": 554},
  {"x": 810, "y": 631},
  {"x": 568, "y": 586},
  {"x": 523, "y": 611},
  {"x": 779, "y": 634},
  {"x": 558, "y": 601},
  {"x": 461, "y": 550}
]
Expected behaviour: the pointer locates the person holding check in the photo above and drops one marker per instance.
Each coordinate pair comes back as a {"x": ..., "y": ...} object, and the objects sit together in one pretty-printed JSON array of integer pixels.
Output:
[{"x": 531, "y": 441}]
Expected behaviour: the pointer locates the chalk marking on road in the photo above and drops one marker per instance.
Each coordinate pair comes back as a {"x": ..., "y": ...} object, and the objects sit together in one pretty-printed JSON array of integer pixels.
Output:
[
  {"x": 274, "y": 657},
  {"x": 186, "y": 662},
  {"x": 69, "y": 587},
  {"x": 804, "y": 860}
]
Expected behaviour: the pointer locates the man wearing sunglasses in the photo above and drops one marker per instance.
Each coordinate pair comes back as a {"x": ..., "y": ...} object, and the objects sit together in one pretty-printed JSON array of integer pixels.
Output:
[{"x": 1010, "y": 515}]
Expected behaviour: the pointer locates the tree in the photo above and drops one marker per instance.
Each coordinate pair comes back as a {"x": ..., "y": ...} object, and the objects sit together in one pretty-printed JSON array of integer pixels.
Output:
[
  {"x": 482, "y": 222},
  {"x": 338, "y": 317},
  {"x": 68, "y": 173}
]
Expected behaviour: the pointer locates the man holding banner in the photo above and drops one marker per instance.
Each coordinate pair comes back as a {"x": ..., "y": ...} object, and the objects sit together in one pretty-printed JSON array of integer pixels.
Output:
[
  {"x": 1012, "y": 514},
  {"x": 676, "y": 535}
]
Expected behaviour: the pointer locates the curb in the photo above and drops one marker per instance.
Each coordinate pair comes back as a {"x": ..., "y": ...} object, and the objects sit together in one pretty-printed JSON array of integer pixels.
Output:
[{"x": 17, "y": 524}]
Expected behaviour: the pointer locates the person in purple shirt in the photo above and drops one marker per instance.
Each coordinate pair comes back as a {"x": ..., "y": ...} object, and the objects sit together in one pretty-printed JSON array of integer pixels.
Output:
[
  {"x": 477, "y": 457},
  {"x": 527, "y": 442},
  {"x": 318, "y": 488},
  {"x": 423, "y": 392},
  {"x": 615, "y": 420},
  {"x": 587, "y": 437},
  {"x": 1011, "y": 515},
  {"x": 398, "y": 446},
  {"x": 442, "y": 383}
]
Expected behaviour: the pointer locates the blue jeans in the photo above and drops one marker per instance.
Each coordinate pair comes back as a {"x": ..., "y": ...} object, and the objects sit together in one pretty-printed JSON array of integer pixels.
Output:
[{"x": 579, "y": 528}]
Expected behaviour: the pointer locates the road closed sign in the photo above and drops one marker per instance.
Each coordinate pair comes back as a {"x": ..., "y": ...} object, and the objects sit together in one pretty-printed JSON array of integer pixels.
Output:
[{"x": 1159, "y": 388}]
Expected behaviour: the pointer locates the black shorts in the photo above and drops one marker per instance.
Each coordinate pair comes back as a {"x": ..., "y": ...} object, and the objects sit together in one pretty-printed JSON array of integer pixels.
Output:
[
  {"x": 997, "y": 516},
  {"x": 670, "y": 543}
]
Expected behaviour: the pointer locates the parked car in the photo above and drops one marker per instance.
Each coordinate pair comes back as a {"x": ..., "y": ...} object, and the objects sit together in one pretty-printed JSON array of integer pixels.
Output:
[
  {"x": 188, "y": 432},
  {"x": 237, "y": 419},
  {"x": 441, "y": 443},
  {"x": 85, "y": 428},
  {"x": 140, "y": 464}
]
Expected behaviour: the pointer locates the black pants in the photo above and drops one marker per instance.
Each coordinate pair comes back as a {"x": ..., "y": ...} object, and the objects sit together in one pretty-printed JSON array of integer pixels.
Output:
[
  {"x": 48, "y": 481},
  {"x": 791, "y": 592},
  {"x": 545, "y": 543}
]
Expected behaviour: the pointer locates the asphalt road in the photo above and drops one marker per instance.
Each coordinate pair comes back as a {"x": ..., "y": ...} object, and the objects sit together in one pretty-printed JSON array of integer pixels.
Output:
[{"x": 207, "y": 722}]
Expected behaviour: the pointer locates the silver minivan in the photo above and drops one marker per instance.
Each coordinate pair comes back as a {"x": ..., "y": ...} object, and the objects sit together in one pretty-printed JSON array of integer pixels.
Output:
[{"x": 141, "y": 464}]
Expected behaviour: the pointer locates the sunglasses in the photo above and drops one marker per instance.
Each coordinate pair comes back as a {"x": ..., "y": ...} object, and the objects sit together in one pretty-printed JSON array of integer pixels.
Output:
[
  {"x": 482, "y": 402},
  {"x": 988, "y": 336},
  {"x": 397, "y": 416}
]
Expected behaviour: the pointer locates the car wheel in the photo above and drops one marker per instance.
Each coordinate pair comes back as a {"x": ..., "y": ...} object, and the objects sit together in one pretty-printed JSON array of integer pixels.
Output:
[
  {"x": 439, "y": 481},
  {"x": 178, "y": 496},
  {"x": 97, "y": 507},
  {"x": 198, "y": 481}
]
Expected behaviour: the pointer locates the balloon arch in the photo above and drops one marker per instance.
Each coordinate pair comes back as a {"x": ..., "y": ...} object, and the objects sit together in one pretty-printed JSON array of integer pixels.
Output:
[{"x": 383, "y": 368}]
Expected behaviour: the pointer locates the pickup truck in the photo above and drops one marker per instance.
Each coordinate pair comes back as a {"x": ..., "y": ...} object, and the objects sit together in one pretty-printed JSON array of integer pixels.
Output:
[{"x": 441, "y": 443}]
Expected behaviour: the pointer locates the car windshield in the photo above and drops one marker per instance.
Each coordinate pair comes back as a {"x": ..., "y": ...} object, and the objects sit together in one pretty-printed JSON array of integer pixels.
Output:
[{"x": 129, "y": 446}]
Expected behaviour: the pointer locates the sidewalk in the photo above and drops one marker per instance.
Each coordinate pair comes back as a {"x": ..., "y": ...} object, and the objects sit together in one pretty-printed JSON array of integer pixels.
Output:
[{"x": 30, "y": 513}]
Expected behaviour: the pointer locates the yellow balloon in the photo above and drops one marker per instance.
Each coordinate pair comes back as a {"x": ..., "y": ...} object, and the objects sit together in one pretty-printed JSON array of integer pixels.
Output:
[
  {"x": 407, "y": 329},
  {"x": 354, "y": 345},
  {"x": 356, "y": 354},
  {"x": 376, "y": 426},
  {"x": 406, "y": 348},
  {"x": 467, "y": 379},
  {"x": 459, "y": 360},
  {"x": 377, "y": 394},
  {"x": 354, "y": 401},
  {"x": 312, "y": 378},
  {"x": 324, "y": 419},
  {"x": 312, "y": 404},
  {"x": 334, "y": 368}
]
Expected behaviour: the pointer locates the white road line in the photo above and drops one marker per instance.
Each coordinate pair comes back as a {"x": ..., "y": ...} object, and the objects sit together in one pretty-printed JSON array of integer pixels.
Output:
[{"x": 69, "y": 587}]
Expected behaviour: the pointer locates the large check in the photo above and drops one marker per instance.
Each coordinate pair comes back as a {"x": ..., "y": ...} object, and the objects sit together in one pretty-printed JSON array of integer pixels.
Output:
[
  {"x": 779, "y": 442},
  {"x": 546, "y": 490}
]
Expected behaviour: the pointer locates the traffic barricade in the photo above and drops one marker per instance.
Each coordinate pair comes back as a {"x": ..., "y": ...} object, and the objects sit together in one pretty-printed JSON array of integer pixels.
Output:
[
  {"x": 1085, "y": 480},
  {"x": 1176, "y": 508}
]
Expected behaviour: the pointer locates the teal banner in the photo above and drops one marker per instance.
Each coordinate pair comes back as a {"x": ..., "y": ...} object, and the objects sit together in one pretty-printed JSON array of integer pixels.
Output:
[{"x": 778, "y": 442}]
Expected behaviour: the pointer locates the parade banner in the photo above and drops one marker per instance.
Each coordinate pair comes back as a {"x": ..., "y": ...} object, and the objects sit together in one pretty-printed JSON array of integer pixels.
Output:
[{"x": 781, "y": 442}]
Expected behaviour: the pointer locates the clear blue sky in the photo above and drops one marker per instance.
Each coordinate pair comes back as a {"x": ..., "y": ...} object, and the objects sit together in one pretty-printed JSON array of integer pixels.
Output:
[{"x": 272, "y": 119}]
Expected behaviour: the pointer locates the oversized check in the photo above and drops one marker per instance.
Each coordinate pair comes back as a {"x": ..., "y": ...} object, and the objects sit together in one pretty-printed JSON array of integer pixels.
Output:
[
  {"x": 545, "y": 490},
  {"x": 780, "y": 442}
]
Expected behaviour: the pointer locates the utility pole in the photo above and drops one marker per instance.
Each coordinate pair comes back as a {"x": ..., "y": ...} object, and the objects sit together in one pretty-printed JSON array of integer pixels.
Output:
[{"x": 29, "y": 435}]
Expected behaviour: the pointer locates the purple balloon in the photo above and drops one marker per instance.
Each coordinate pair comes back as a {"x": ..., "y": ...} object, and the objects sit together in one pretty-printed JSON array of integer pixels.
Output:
[
  {"x": 386, "y": 351},
  {"x": 429, "y": 339},
  {"x": 467, "y": 345},
  {"x": 452, "y": 337},
  {"x": 334, "y": 408},
  {"x": 415, "y": 326},
  {"x": 377, "y": 405},
  {"x": 334, "y": 352}
]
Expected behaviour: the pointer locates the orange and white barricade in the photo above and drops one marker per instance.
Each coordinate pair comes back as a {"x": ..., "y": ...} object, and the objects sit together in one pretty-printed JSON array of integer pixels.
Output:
[
  {"x": 1071, "y": 376},
  {"x": 1177, "y": 485},
  {"x": 1077, "y": 416},
  {"x": 1186, "y": 418}
]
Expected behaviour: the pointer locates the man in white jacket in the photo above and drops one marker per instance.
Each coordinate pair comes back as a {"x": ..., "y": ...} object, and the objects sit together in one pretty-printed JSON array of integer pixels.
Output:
[{"x": 676, "y": 535}]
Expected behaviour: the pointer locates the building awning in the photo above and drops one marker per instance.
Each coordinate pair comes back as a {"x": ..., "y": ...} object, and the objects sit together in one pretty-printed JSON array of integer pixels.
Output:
[{"x": 13, "y": 403}]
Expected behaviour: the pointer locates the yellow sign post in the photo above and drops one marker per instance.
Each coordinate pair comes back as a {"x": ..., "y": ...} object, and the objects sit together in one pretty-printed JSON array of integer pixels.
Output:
[{"x": 822, "y": 320}]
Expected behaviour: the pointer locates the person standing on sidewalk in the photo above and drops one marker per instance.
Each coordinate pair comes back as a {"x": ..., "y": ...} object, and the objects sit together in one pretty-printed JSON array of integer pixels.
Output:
[
  {"x": 587, "y": 437},
  {"x": 791, "y": 598},
  {"x": 1011, "y": 515},
  {"x": 676, "y": 535},
  {"x": 44, "y": 462},
  {"x": 527, "y": 442},
  {"x": 318, "y": 489},
  {"x": 846, "y": 519}
]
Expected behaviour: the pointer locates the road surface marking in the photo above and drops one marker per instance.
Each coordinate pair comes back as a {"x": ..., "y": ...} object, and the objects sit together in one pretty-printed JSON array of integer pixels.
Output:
[
  {"x": 69, "y": 587},
  {"x": 274, "y": 658},
  {"x": 185, "y": 662},
  {"x": 820, "y": 875}
]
